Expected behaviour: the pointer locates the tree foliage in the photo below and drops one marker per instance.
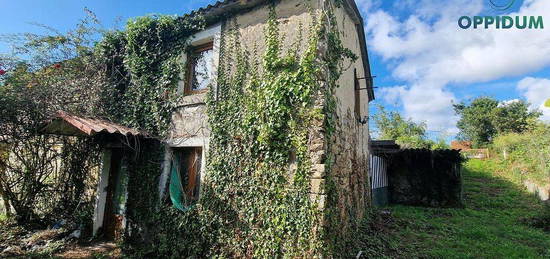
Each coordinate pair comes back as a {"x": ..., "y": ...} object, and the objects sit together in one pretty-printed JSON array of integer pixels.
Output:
[
  {"x": 46, "y": 175},
  {"x": 484, "y": 118},
  {"x": 408, "y": 134}
]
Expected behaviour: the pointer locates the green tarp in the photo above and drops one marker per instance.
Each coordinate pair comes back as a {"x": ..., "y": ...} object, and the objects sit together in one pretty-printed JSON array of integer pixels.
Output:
[{"x": 177, "y": 194}]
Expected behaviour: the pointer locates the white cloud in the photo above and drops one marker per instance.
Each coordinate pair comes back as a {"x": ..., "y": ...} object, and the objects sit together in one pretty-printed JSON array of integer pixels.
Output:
[
  {"x": 392, "y": 94},
  {"x": 508, "y": 102},
  {"x": 430, "y": 105},
  {"x": 366, "y": 5},
  {"x": 536, "y": 91},
  {"x": 430, "y": 51}
]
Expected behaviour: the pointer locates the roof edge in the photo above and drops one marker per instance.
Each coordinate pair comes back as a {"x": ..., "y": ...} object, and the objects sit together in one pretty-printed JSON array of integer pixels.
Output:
[
  {"x": 359, "y": 26},
  {"x": 214, "y": 13},
  {"x": 219, "y": 10},
  {"x": 67, "y": 124}
]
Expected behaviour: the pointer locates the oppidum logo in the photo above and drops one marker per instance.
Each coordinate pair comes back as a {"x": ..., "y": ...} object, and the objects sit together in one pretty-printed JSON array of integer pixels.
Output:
[{"x": 501, "y": 22}]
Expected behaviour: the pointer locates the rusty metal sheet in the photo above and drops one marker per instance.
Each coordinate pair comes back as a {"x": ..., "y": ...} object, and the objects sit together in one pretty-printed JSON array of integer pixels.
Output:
[{"x": 67, "y": 124}]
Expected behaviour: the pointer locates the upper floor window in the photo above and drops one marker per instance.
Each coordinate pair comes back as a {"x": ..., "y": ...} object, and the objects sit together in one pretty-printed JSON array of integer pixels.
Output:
[{"x": 200, "y": 68}]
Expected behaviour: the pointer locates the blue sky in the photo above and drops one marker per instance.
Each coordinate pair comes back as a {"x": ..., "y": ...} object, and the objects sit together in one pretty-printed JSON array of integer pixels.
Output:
[
  {"x": 423, "y": 61},
  {"x": 16, "y": 16}
]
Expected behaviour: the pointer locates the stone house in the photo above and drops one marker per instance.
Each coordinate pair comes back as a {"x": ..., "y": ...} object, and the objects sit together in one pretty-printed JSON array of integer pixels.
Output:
[
  {"x": 190, "y": 133},
  {"x": 189, "y": 137}
]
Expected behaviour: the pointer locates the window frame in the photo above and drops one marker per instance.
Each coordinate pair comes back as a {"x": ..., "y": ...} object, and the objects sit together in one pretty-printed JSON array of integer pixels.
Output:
[
  {"x": 183, "y": 155},
  {"x": 190, "y": 69}
]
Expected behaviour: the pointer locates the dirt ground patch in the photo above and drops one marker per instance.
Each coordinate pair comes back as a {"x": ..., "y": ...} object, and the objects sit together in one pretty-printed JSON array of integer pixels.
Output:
[
  {"x": 17, "y": 242},
  {"x": 95, "y": 250}
]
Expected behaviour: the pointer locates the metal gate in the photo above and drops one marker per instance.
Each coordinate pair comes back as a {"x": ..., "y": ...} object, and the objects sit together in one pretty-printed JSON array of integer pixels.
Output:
[{"x": 379, "y": 180}]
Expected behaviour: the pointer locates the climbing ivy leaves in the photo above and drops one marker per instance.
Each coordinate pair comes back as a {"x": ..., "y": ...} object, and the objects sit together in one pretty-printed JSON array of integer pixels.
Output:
[
  {"x": 255, "y": 197},
  {"x": 148, "y": 59},
  {"x": 258, "y": 161}
]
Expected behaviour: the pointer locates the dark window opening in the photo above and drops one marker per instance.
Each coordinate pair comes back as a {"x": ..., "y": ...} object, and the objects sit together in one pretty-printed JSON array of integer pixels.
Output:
[
  {"x": 199, "y": 70},
  {"x": 185, "y": 177}
]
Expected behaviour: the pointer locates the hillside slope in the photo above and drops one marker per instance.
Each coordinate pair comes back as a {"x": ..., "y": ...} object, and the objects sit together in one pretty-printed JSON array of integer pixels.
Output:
[{"x": 494, "y": 224}]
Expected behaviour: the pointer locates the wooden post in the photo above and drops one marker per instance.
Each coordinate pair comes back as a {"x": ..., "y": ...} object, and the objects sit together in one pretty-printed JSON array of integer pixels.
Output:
[
  {"x": 101, "y": 197},
  {"x": 163, "y": 181}
]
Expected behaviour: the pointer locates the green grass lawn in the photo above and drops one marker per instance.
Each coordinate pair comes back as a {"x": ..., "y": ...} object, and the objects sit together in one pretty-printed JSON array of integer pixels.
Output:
[{"x": 492, "y": 224}]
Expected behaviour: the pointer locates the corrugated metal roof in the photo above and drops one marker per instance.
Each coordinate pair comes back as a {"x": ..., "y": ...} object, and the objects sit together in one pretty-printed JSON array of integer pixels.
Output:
[
  {"x": 67, "y": 124},
  {"x": 209, "y": 7}
]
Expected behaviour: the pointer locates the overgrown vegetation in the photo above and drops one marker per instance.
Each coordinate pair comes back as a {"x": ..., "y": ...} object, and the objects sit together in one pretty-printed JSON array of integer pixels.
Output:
[
  {"x": 497, "y": 222},
  {"x": 525, "y": 155},
  {"x": 44, "y": 178},
  {"x": 128, "y": 77},
  {"x": 485, "y": 118},
  {"x": 142, "y": 68},
  {"x": 259, "y": 123},
  {"x": 19, "y": 242},
  {"x": 523, "y": 159},
  {"x": 252, "y": 204}
]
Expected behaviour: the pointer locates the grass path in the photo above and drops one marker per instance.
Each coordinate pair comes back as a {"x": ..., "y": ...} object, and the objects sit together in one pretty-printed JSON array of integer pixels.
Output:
[{"x": 491, "y": 226}]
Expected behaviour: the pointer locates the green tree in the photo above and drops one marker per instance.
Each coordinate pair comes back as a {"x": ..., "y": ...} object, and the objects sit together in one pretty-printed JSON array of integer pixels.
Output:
[
  {"x": 475, "y": 122},
  {"x": 514, "y": 117},
  {"x": 405, "y": 132},
  {"x": 42, "y": 75},
  {"x": 484, "y": 118}
]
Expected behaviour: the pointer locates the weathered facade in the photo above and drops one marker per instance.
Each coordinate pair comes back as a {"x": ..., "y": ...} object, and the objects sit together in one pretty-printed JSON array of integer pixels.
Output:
[
  {"x": 343, "y": 157},
  {"x": 350, "y": 143},
  {"x": 340, "y": 161},
  {"x": 337, "y": 140}
]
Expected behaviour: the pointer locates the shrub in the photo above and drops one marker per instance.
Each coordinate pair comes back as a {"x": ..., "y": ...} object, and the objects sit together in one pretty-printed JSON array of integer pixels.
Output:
[{"x": 526, "y": 154}]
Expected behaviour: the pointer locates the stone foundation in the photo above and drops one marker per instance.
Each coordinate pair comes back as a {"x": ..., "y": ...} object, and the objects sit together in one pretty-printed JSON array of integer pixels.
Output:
[{"x": 542, "y": 192}]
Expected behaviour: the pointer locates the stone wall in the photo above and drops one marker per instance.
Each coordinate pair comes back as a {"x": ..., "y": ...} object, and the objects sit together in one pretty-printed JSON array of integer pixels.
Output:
[
  {"x": 348, "y": 171},
  {"x": 425, "y": 178},
  {"x": 317, "y": 148},
  {"x": 348, "y": 147},
  {"x": 294, "y": 19},
  {"x": 338, "y": 165},
  {"x": 542, "y": 192}
]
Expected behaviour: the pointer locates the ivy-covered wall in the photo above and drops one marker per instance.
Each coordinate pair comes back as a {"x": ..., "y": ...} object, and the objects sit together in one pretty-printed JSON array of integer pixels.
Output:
[
  {"x": 258, "y": 164},
  {"x": 285, "y": 171}
]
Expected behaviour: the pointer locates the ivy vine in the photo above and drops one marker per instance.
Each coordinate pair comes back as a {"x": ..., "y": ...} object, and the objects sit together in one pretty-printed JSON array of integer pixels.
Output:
[
  {"x": 143, "y": 64},
  {"x": 255, "y": 200}
]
